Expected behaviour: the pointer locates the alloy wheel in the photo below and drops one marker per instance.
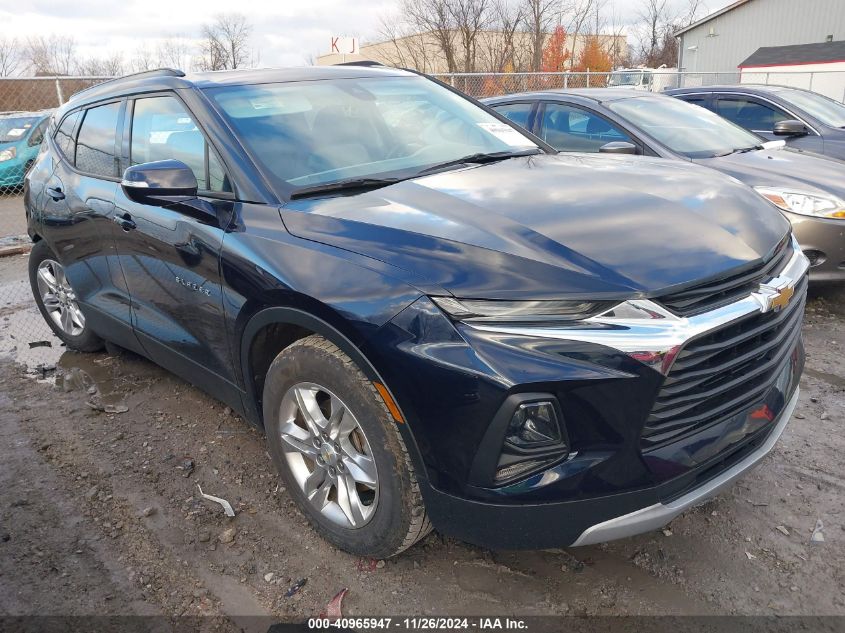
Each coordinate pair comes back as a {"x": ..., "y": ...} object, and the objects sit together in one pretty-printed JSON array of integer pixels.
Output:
[
  {"x": 329, "y": 455},
  {"x": 59, "y": 298}
]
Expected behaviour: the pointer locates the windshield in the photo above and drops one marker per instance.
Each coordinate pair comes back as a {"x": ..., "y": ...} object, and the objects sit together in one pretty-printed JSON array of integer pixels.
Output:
[
  {"x": 13, "y": 129},
  {"x": 826, "y": 110},
  {"x": 313, "y": 133},
  {"x": 625, "y": 79},
  {"x": 685, "y": 128}
]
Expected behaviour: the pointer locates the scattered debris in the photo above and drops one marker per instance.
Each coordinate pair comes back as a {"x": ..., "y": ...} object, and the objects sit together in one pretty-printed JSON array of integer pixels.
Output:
[
  {"x": 333, "y": 608},
  {"x": 96, "y": 405},
  {"x": 148, "y": 511},
  {"x": 295, "y": 588},
  {"x": 667, "y": 532},
  {"x": 824, "y": 416},
  {"x": 227, "y": 507},
  {"x": 818, "y": 532},
  {"x": 380, "y": 564},
  {"x": 187, "y": 466},
  {"x": 367, "y": 564},
  {"x": 35, "y": 344},
  {"x": 782, "y": 530},
  {"x": 227, "y": 536},
  {"x": 750, "y": 556},
  {"x": 204, "y": 536},
  {"x": 757, "y": 504},
  {"x": 268, "y": 577}
]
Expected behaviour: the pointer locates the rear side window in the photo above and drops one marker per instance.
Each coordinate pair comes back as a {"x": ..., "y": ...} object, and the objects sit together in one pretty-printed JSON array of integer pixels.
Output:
[
  {"x": 38, "y": 134},
  {"x": 162, "y": 129},
  {"x": 519, "y": 113},
  {"x": 95, "y": 144},
  {"x": 64, "y": 135}
]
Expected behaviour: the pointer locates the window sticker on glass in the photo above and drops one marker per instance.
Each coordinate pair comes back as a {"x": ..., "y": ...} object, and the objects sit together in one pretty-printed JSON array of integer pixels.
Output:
[
  {"x": 16, "y": 131},
  {"x": 506, "y": 134}
]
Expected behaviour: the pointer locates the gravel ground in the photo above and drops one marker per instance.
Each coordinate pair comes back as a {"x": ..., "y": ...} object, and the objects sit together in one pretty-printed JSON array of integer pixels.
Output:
[{"x": 100, "y": 513}]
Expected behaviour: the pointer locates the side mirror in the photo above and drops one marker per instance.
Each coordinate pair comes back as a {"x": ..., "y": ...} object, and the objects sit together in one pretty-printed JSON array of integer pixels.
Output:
[
  {"x": 619, "y": 147},
  {"x": 790, "y": 127},
  {"x": 159, "y": 183}
]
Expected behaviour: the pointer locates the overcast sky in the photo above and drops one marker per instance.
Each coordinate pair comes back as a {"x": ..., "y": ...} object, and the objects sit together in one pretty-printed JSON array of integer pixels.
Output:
[{"x": 286, "y": 32}]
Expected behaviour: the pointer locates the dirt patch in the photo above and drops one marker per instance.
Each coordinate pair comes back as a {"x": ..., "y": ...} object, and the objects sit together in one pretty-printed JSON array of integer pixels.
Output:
[{"x": 100, "y": 513}]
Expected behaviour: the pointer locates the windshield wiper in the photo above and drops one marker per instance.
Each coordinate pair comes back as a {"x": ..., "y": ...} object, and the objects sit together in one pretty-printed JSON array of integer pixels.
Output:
[
  {"x": 478, "y": 159},
  {"x": 740, "y": 150},
  {"x": 352, "y": 184}
]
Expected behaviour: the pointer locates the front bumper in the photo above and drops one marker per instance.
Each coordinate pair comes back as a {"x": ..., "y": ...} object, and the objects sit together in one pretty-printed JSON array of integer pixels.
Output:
[
  {"x": 659, "y": 514},
  {"x": 12, "y": 173},
  {"x": 824, "y": 243}
]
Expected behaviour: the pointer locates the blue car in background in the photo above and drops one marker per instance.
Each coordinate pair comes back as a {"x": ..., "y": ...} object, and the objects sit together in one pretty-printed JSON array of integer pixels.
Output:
[{"x": 20, "y": 137}]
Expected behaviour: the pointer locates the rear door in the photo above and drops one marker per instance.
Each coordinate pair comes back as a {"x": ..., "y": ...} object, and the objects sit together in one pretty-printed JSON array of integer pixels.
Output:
[
  {"x": 171, "y": 256},
  {"x": 77, "y": 210}
]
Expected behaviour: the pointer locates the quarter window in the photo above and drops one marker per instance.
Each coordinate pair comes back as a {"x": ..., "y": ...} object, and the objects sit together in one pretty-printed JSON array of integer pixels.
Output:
[
  {"x": 95, "y": 144},
  {"x": 162, "y": 129},
  {"x": 64, "y": 135},
  {"x": 571, "y": 129},
  {"x": 752, "y": 115}
]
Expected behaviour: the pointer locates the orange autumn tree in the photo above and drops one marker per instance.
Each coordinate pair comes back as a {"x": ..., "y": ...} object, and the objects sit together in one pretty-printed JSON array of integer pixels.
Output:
[
  {"x": 555, "y": 53},
  {"x": 593, "y": 57}
]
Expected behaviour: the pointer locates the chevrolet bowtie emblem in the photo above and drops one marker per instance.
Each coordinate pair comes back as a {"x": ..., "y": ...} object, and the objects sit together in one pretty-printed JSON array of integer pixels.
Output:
[{"x": 775, "y": 295}]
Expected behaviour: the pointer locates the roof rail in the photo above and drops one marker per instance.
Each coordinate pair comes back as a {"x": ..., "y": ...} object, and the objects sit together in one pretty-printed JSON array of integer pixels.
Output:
[
  {"x": 366, "y": 63},
  {"x": 155, "y": 72}
]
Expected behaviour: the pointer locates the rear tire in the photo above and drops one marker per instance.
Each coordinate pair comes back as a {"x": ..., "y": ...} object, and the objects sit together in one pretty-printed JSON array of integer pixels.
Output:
[
  {"x": 344, "y": 464},
  {"x": 57, "y": 301}
]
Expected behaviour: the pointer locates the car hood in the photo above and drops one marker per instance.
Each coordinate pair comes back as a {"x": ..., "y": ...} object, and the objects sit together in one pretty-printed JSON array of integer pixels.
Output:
[
  {"x": 551, "y": 226},
  {"x": 783, "y": 167}
]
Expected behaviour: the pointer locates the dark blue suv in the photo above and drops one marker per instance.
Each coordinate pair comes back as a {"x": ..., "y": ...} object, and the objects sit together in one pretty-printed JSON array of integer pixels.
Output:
[{"x": 435, "y": 318}]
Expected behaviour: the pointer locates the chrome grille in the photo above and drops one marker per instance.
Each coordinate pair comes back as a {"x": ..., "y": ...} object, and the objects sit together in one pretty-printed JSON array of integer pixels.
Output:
[
  {"x": 712, "y": 295},
  {"x": 724, "y": 371}
]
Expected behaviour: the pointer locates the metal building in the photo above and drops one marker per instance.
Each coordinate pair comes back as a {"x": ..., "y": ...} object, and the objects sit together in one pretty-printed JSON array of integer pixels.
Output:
[{"x": 722, "y": 40}]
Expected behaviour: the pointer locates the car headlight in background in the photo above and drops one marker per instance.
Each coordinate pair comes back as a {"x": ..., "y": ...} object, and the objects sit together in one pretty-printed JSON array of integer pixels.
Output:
[
  {"x": 8, "y": 154},
  {"x": 521, "y": 311},
  {"x": 817, "y": 205}
]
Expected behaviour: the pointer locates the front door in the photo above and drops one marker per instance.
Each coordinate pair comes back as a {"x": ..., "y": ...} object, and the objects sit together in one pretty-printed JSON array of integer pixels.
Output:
[
  {"x": 170, "y": 255},
  {"x": 760, "y": 117}
]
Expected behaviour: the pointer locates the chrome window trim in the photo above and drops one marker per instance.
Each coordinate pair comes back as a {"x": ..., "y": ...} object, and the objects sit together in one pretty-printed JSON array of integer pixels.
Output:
[{"x": 643, "y": 328}]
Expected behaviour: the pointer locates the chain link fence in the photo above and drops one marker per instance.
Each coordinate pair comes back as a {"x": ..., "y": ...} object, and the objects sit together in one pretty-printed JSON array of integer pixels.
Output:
[
  {"x": 829, "y": 83},
  {"x": 25, "y": 108}
]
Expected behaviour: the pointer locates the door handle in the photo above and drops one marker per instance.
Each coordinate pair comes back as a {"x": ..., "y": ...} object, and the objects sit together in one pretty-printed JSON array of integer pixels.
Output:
[
  {"x": 55, "y": 193},
  {"x": 125, "y": 221}
]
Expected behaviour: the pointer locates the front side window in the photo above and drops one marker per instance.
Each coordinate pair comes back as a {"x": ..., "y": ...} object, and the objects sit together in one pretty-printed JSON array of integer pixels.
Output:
[
  {"x": 95, "y": 145},
  {"x": 38, "y": 133},
  {"x": 64, "y": 135},
  {"x": 569, "y": 128},
  {"x": 750, "y": 114},
  {"x": 684, "y": 128},
  {"x": 317, "y": 132},
  {"x": 162, "y": 129}
]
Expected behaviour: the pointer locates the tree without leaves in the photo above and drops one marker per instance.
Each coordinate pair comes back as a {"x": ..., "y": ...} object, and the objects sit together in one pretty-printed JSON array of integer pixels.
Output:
[
  {"x": 499, "y": 48},
  {"x": 434, "y": 17},
  {"x": 174, "y": 51},
  {"x": 225, "y": 43},
  {"x": 51, "y": 55},
  {"x": 539, "y": 16},
  {"x": 10, "y": 56},
  {"x": 470, "y": 18},
  {"x": 580, "y": 12}
]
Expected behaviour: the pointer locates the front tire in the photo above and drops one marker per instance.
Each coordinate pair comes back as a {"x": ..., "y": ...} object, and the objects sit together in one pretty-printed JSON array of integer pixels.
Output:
[
  {"x": 339, "y": 452},
  {"x": 56, "y": 300}
]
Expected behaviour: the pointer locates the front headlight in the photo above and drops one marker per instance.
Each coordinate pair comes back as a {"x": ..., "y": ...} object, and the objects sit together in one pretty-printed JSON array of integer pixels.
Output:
[
  {"x": 815, "y": 205},
  {"x": 521, "y": 311},
  {"x": 8, "y": 154}
]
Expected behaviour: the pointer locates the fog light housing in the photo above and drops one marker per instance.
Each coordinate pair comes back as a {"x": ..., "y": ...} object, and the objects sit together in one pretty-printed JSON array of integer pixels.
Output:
[{"x": 532, "y": 425}]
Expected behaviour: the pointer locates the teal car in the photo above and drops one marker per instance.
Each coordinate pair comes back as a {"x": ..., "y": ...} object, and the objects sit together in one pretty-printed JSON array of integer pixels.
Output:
[{"x": 21, "y": 134}]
